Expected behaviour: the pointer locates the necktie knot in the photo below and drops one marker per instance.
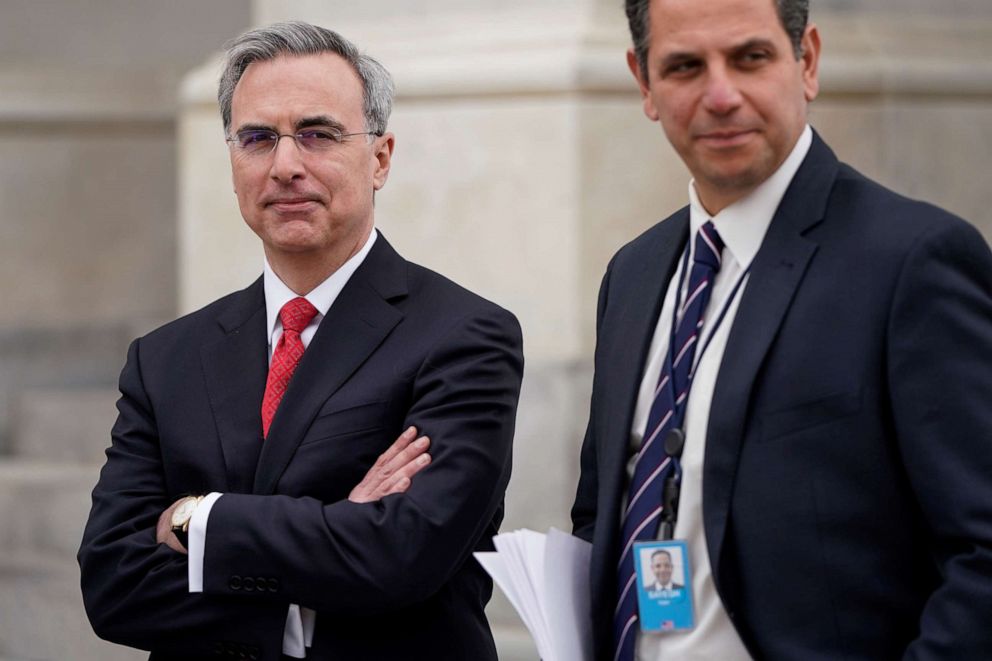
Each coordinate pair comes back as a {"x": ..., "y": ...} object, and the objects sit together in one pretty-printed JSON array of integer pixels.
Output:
[
  {"x": 709, "y": 246},
  {"x": 297, "y": 314}
]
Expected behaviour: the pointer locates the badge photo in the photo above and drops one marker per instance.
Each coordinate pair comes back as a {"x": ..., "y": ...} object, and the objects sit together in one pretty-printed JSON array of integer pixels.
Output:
[{"x": 664, "y": 586}]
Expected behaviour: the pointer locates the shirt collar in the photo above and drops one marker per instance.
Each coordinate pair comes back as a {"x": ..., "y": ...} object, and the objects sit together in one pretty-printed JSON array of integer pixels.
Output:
[
  {"x": 743, "y": 224},
  {"x": 277, "y": 294}
]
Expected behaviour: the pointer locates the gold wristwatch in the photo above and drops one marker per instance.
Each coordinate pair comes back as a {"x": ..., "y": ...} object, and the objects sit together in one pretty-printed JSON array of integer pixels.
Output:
[{"x": 181, "y": 517}]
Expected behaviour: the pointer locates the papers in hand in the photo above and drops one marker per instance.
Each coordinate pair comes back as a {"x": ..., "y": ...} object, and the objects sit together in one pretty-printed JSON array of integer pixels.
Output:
[{"x": 546, "y": 578}]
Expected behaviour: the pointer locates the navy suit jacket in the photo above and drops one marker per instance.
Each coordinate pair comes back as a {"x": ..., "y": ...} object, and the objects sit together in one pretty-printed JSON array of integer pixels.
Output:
[
  {"x": 847, "y": 478},
  {"x": 392, "y": 579}
]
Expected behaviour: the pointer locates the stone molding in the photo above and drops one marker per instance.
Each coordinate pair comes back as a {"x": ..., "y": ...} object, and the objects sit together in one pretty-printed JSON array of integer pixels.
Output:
[
  {"x": 44, "y": 95},
  {"x": 554, "y": 51}
]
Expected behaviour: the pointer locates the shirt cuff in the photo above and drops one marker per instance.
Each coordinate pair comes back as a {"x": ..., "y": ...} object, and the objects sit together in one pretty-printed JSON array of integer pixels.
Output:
[
  {"x": 292, "y": 636},
  {"x": 197, "y": 540}
]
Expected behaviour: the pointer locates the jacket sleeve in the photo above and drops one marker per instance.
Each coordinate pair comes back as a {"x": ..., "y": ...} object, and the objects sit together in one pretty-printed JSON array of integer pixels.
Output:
[
  {"x": 940, "y": 379},
  {"x": 360, "y": 559},
  {"x": 135, "y": 590},
  {"x": 587, "y": 493}
]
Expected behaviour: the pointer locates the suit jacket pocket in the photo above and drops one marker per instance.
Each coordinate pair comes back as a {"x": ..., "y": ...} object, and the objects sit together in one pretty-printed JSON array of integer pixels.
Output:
[
  {"x": 809, "y": 414},
  {"x": 352, "y": 419}
]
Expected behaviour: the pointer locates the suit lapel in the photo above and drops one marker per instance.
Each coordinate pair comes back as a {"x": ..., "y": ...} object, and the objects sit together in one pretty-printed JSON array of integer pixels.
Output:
[
  {"x": 776, "y": 274},
  {"x": 356, "y": 324},
  {"x": 235, "y": 368},
  {"x": 637, "y": 309}
]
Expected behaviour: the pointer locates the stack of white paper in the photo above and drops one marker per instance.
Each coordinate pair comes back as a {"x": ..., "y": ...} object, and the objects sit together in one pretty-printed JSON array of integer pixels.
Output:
[{"x": 546, "y": 578}]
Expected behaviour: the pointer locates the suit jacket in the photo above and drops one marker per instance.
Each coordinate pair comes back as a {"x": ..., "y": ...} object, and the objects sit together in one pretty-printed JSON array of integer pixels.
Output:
[
  {"x": 847, "y": 477},
  {"x": 400, "y": 346}
]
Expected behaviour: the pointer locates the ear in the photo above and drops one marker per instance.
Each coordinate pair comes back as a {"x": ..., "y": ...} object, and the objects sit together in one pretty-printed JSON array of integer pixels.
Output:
[
  {"x": 641, "y": 77},
  {"x": 383, "y": 153},
  {"x": 810, "y": 62}
]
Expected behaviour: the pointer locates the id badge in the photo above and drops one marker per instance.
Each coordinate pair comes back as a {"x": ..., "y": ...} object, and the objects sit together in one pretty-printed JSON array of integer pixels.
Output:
[{"x": 664, "y": 586}]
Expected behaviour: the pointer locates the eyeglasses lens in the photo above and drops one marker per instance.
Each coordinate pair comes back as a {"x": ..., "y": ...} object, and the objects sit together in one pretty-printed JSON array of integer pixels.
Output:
[{"x": 310, "y": 140}]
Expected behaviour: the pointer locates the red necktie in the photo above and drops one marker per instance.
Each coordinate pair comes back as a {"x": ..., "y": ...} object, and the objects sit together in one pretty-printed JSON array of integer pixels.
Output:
[{"x": 295, "y": 316}]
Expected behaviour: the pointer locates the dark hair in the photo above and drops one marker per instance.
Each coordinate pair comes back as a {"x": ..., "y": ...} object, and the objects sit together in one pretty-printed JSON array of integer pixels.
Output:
[
  {"x": 660, "y": 552},
  {"x": 299, "y": 38},
  {"x": 792, "y": 14}
]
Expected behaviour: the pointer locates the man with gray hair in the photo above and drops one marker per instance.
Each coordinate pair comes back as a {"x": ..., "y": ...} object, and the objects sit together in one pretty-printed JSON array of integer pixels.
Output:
[
  {"x": 792, "y": 377},
  {"x": 253, "y": 504}
]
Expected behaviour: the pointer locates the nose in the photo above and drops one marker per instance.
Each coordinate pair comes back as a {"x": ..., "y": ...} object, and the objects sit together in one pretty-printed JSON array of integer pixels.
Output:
[
  {"x": 722, "y": 95},
  {"x": 287, "y": 161}
]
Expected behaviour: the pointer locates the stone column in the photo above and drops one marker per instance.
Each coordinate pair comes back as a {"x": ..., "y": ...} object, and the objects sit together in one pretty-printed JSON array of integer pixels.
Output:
[{"x": 87, "y": 261}]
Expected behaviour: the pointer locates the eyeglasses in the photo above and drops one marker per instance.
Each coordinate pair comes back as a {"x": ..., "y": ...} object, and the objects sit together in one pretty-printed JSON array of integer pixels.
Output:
[{"x": 315, "y": 140}]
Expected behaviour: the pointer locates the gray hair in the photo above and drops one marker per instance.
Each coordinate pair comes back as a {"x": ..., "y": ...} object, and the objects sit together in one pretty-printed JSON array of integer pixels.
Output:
[
  {"x": 792, "y": 14},
  {"x": 299, "y": 38}
]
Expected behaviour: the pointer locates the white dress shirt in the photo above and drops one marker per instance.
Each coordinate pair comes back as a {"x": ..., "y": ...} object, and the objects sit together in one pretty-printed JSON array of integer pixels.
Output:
[
  {"x": 298, "y": 634},
  {"x": 742, "y": 226}
]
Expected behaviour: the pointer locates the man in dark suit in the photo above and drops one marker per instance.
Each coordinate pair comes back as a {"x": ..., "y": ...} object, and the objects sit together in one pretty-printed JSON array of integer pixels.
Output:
[
  {"x": 825, "y": 414},
  {"x": 304, "y": 544}
]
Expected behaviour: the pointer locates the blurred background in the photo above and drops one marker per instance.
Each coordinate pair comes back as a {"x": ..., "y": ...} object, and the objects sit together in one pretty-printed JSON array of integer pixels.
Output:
[{"x": 522, "y": 163}]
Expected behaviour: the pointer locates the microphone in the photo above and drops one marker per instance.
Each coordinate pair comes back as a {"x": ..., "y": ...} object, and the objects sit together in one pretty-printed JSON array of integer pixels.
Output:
[{"x": 674, "y": 443}]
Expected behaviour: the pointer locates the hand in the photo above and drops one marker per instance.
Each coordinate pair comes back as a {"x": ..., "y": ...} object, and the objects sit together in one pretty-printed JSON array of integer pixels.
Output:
[
  {"x": 163, "y": 530},
  {"x": 394, "y": 468}
]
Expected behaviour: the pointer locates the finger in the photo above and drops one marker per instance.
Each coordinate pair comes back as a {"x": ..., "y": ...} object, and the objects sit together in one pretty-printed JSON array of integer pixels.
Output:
[
  {"x": 415, "y": 449},
  {"x": 384, "y": 470},
  {"x": 381, "y": 478},
  {"x": 164, "y": 526},
  {"x": 399, "y": 486},
  {"x": 398, "y": 446},
  {"x": 402, "y": 480}
]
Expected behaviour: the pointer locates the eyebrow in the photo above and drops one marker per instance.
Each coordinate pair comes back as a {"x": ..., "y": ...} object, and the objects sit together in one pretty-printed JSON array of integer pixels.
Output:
[
  {"x": 679, "y": 57},
  {"x": 757, "y": 42},
  {"x": 305, "y": 122},
  {"x": 319, "y": 120},
  {"x": 254, "y": 127}
]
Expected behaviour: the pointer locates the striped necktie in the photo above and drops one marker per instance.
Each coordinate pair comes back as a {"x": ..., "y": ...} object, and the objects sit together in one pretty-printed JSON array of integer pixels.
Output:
[{"x": 653, "y": 466}]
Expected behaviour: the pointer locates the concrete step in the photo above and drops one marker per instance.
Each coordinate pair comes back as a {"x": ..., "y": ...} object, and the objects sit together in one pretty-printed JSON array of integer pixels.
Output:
[
  {"x": 42, "y": 616},
  {"x": 57, "y": 357},
  {"x": 43, "y": 507},
  {"x": 62, "y": 424}
]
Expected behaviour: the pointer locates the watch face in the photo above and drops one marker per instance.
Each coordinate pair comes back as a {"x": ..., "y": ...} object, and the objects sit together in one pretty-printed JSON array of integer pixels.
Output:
[{"x": 182, "y": 514}]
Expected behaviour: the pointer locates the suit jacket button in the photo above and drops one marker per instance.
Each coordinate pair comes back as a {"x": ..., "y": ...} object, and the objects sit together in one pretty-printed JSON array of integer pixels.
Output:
[
  {"x": 273, "y": 585},
  {"x": 248, "y": 583},
  {"x": 234, "y": 583},
  {"x": 261, "y": 584}
]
